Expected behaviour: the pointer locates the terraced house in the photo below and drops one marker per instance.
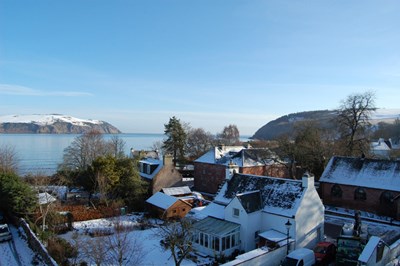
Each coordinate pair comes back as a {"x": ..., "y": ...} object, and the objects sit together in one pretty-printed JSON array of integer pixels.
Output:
[{"x": 370, "y": 185}]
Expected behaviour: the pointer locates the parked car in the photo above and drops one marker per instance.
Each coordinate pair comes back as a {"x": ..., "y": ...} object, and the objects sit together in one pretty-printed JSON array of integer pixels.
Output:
[
  {"x": 325, "y": 253},
  {"x": 300, "y": 257},
  {"x": 5, "y": 234}
]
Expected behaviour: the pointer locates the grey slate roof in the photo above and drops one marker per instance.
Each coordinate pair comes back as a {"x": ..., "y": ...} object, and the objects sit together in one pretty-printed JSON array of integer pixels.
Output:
[
  {"x": 277, "y": 195},
  {"x": 363, "y": 172}
]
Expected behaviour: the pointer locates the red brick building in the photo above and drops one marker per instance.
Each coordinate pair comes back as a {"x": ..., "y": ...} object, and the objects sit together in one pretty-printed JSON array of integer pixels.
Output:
[
  {"x": 362, "y": 184},
  {"x": 210, "y": 170}
]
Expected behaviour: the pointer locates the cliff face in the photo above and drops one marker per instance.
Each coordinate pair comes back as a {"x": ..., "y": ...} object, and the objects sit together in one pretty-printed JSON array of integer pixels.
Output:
[{"x": 53, "y": 124}]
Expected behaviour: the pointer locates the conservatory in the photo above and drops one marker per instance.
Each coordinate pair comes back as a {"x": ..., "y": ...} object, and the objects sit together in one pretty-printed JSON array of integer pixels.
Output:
[{"x": 211, "y": 236}]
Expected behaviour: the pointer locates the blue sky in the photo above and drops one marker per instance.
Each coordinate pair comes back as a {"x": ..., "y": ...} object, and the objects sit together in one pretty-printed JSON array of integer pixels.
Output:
[{"x": 210, "y": 63}]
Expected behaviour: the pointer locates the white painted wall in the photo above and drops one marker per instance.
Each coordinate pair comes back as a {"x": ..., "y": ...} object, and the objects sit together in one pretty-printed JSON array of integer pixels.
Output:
[
  {"x": 242, "y": 219},
  {"x": 309, "y": 219},
  {"x": 258, "y": 257},
  {"x": 249, "y": 224}
]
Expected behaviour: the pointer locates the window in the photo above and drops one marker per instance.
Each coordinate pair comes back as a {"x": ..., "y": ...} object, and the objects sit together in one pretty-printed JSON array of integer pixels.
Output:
[
  {"x": 196, "y": 238},
  {"x": 236, "y": 212},
  {"x": 386, "y": 198},
  {"x": 336, "y": 191},
  {"x": 141, "y": 168},
  {"x": 360, "y": 194},
  {"x": 228, "y": 242},
  {"x": 148, "y": 169}
]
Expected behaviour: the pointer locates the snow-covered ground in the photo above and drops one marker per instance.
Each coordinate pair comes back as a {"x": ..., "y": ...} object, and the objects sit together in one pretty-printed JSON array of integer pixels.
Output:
[
  {"x": 17, "y": 251},
  {"x": 151, "y": 251},
  {"x": 153, "y": 254}
]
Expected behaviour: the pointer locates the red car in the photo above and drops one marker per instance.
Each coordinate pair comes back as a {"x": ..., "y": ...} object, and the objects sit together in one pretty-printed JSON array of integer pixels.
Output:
[{"x": 325, "y": 253}]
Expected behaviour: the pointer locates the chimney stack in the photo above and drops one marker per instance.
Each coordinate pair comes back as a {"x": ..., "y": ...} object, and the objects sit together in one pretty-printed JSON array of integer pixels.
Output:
[
  {"x": 231, "y": 169},
  {"x": 307, "y": 180},
  {"x": 168, "y": 159}
]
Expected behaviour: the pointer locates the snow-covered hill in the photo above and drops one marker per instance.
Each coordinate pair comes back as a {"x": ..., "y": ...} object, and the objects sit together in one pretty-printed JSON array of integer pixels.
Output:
[{"x": 52, "y": 123}]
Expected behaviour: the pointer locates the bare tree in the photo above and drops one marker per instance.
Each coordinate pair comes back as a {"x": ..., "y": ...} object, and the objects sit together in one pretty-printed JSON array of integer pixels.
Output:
[
  {"x": 229, "y": 135},
  {"x": 177, "y": 237},
  {"x": 42, "y": 185},
  {"x": 198, "y": 142},
  {"x": 124, "y": 250},
  {"x": 158, "y": 146},
  {"x": 354, "y": 120},
  {"x": 116, "y": 146},
  {"x": 83, "y": 150},
  {"x": 95, "y": 249},
  {"x": 8, "y": 159}
]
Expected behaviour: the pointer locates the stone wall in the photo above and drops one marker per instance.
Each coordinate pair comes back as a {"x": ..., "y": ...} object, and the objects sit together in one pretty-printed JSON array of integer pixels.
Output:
[{"x": 35, "y": 244}]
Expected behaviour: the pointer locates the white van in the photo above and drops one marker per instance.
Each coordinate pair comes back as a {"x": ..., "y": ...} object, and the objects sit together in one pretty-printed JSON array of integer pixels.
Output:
[{"x": 300, "y": 257}]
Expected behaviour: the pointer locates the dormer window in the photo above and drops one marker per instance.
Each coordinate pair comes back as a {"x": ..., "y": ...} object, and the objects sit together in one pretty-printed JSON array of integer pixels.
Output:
[
  {"x": 360, "y": 194},
  {"x": 336, "y": 191}
]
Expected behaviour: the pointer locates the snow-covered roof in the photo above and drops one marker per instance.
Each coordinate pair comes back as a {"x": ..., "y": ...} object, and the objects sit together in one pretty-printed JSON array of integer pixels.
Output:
[
  {"x": 380, "y": 145},
  {"x": 369, "y": 249},
  {"x": 215, "y": 154},
  {"x": 363, "y": 172},
  {"x": 173, "y": 191},
  {"x": 46, "y": 119},
  {"x": 243, "y": 157},
  {"x": 45, "y": 198},
  {"x": 212, "y": 210},
  {"x": 278, "y": 195},
  {"x": 273, "y": 235},
  {"x": 162, "y": 200},
  {"x": 153, "y": 162},
  {"x": 150, "y": 161}
]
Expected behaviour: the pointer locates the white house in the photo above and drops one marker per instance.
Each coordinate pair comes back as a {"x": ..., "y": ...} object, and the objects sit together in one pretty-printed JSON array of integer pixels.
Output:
[{"x": 255, "y": 211}]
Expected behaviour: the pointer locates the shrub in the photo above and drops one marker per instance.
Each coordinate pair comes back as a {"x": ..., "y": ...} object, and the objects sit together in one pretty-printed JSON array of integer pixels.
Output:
[{"x": 60, "y": 250}]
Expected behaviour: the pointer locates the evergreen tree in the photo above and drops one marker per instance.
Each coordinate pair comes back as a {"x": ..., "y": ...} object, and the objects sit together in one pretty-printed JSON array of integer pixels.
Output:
[
  {"x": 176, "y": 139},
  {"x": 16, "y": 196}
]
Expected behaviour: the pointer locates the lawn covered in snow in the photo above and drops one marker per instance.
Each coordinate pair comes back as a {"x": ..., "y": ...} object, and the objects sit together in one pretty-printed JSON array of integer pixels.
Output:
[{"x": 151, "y": 251}]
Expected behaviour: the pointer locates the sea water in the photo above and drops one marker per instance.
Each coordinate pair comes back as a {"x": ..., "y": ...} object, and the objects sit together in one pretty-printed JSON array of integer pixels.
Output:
[{"x": 42, "y": 153}]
